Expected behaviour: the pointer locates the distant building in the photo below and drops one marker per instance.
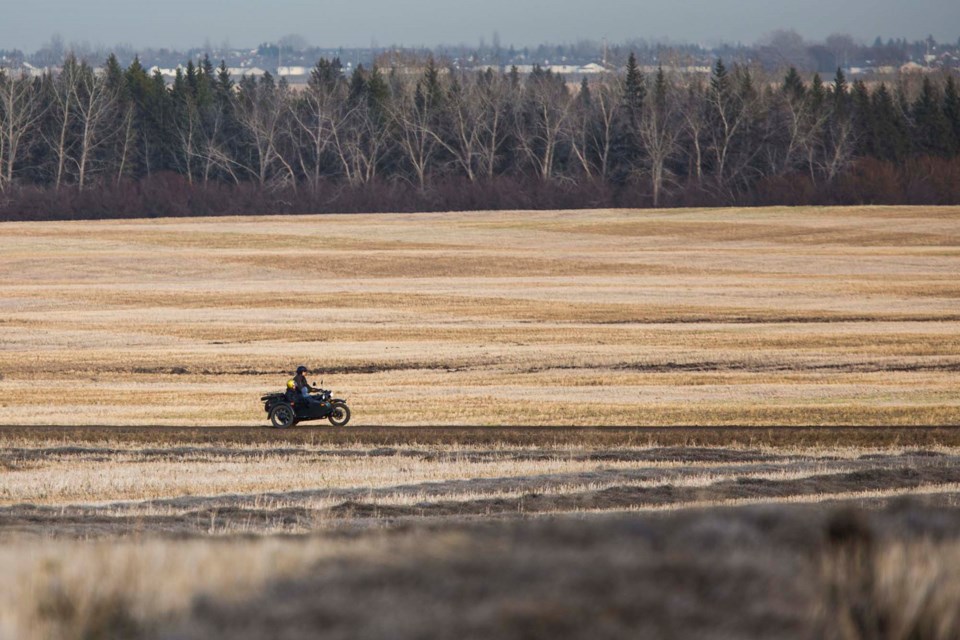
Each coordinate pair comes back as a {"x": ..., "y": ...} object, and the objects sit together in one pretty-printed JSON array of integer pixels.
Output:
[
  {"x": 168, "y": 74},
  {"x": 292, "y": 71},
  {"x": 239, "y": 72},
  {"x": 25, "y": 69},
  {"x": 913, "y": 67}
]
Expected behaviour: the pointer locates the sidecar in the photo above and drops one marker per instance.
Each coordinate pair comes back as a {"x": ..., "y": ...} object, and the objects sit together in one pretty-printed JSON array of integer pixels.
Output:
[{"x": 285, "y": 409}]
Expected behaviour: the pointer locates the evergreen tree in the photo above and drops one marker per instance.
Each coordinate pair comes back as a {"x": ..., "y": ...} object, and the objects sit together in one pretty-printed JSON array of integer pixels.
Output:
[
  {"x": 931, "y": 131},
  {"x": 180, "y": 89},
  {"x": 378, "y": 91},
  {"x": 818, "y": 94},
  {"x": 358, "y": 85},
  {"x": 841, "y": 97},
  {"x": 203, "y": 95},
  {"x": 890, "y": 140},
  {"x": 863, "y": 119},
  {"x": 514, "y": 77},
  {"x": 583, "y": 97},
  {"x": 207, "y": 66},
  {"x": 224, "y": 81},
  {"x": 720, "y": 80},
  {"x": 745, "y": 85},
  {"x": 433, "y": 91},
  {"x": 793, "y": 86},
  {"x": 951, "y": 111},
  {"x": 634, "y": 90},
  {"x": 326, "y": 75},
  {"x": 113, "y": 75},
  {"x": 192, "y": 80},
  {"x": 660, "y": 90}
]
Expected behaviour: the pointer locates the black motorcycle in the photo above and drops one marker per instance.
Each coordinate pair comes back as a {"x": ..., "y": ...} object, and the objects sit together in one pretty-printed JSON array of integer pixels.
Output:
[{"x": 287, "y": 409}]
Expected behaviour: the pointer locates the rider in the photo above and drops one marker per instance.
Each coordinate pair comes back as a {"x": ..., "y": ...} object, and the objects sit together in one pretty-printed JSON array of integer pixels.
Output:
[
  {"x": 302, "y": 387},
  {"x": 291, "y": 393}
]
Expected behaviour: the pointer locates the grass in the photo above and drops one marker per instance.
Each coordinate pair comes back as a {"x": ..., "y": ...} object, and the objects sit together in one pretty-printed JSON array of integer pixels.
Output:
[
  {"x": 112, "y": 532},
  {"x": 735, "y": 317},
  {"x": 690, "y": 574},
  {"x": 140, "y": 495}
]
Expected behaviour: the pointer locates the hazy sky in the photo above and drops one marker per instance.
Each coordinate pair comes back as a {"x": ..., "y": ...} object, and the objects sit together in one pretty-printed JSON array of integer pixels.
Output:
[{"x": 182, "y": 23}]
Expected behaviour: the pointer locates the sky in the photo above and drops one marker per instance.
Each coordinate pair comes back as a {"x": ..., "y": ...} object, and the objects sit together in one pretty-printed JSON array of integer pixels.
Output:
[{"x": 333, "y": 23}]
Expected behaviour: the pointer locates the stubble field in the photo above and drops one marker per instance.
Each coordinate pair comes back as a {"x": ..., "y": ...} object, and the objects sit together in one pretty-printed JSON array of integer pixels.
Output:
[
  {"x": 769, "y": 316},
  {"x": 140, "y": 495}
]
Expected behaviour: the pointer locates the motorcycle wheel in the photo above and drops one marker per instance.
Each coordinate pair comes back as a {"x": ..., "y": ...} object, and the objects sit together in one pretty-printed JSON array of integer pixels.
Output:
[
  {"x": 340, "y": 415},
  {"x": 283, "y": 416}
]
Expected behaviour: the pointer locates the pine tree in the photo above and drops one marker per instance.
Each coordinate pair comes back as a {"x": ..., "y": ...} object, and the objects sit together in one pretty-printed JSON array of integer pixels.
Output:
[
  {"x": 584, "y": 96},
  {"x": 634, "y": 90},
  {"x": 207, "y": 66},
  {"x": 180, "y": 90},
  {"x": 113, "y": 75},
  {"x": 326, "y": 75},
  {"x": 433, "y": 91},
  {"x": 358, "y": 86},
  {"x": 793, "y": 86},
  {"x": 378, "y": 93},
  {"x": 514, "y": 76},
  {"x": 660, "y": 90},
  {"x": 193, "y": 82},
  {"x": 841, "y": 98},
  {"x": 931, "y": 131},
  {"x": 747, "y": 91},
  {"x": 203, "y": 93},
  {"x": 720, "y": 79},
  {"x": 951, "y": 111},
  {"x": 818, "y": 94},
  {"x": 160, "y": 114},
  {"x": 863, "y": 119},
  {"x": 890, "y": 136},
  {"x": 224, "y": 81}
]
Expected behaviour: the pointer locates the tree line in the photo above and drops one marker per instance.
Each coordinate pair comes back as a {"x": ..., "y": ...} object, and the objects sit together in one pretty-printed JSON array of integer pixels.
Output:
[{"x": 121, "y": 142}]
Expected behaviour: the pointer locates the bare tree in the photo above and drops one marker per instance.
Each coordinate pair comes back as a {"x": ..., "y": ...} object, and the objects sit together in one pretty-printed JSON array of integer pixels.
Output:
[
  {"x": 62, "y": 93},
  {"x": 695, "y": 125},
  {"x": 539, "y": 126},
  {"x": 464, "y": 140},
  {"x": 494, "y": 95},
  {"x": 731, "y": 105},
  {"x": 188, "y": 126},
  {"x": 95, "y": 103},
  {"x": 839, "y": 138},
  {"x": 128, "y": 139},
  {"x": 415, "y": 131},
  {"x": 594, "y": 126},
  {"x": 313, "y": 116},
  {"x": 20, "y": 111},
  {"x": 659, "y": 132},
  {"x": 360, "y": 140},
  {"x": 606, "y": 99},
  {"x": 261, "y": 108}
]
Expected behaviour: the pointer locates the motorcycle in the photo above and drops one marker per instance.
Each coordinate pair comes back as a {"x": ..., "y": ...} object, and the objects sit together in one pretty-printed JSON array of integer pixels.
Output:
[{"x": 287, "y": 409}]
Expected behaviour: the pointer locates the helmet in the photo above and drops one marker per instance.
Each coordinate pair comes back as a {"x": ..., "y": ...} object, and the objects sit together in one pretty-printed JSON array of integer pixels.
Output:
[
  {"x": 302, "y": 369},
  {"x": 291, "y": 384}
]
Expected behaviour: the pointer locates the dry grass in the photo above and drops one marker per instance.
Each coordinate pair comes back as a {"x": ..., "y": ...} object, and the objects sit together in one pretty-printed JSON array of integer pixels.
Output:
[
  {"x": 771, "y": 316},
  {"x": 744, "y": 573},
  {"x": 115, "y": 487},
  {"x": 77, "y": 591},
  {"x": 111, "y": 533},
  {"x": 725, "y": 317}
]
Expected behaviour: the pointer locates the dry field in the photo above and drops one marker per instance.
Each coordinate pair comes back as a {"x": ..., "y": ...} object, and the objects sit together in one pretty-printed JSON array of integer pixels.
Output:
[
  {"x": 769, "y": 316},
  {"x": 110, "y": 534},
  {"x": 140, "y": 496}
]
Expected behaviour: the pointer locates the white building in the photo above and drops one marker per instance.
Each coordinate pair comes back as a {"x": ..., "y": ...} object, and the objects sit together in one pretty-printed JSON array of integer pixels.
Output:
[
  {"x": 239, "y": 72},
  {"x": 291, "y": 71}
]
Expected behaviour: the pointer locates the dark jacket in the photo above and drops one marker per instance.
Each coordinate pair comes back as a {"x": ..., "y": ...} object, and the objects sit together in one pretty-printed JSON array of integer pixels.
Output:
[{"x": 301, "y": 381}]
